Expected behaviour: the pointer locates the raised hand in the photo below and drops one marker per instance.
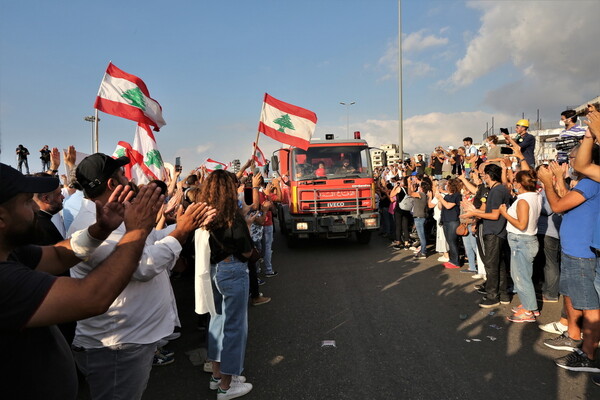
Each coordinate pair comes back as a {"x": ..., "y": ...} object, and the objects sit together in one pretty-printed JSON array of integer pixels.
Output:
[
  {"x": 70, "y": 156},
  {"x": 195, "y": 216},
  {"x": 54, "y": 158},
  {"x": 545, "y": 175},
  {"x": 110, "y": 215},
  {"x": 593, "y": 124},
  {"x": 141, "y": 212},
  {"x": 558, "y": 170},
  {"x": 256, "y": 180}
]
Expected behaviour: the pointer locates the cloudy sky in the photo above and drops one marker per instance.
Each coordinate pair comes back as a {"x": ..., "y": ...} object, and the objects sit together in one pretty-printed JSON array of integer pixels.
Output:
[{"x": 209, "y": 64}]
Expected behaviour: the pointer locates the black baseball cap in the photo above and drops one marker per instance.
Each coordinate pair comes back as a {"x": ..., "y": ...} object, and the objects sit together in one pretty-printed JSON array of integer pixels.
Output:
[
  {"x": 12, "y": 182},
  {"x": 95, "y": 170}
]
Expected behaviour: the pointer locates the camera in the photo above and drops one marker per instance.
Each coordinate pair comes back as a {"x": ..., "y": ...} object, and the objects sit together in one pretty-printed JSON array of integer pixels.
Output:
[{"x": 566, "y": 144}]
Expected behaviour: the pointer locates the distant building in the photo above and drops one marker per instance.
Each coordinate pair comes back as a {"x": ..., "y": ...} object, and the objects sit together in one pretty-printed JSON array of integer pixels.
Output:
[
  {"x": 378, "y": 158},
  {"x": 392, "y": 153}
]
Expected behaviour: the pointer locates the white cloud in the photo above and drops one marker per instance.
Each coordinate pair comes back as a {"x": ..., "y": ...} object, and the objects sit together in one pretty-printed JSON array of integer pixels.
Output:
[
  {"x": 544, "y": 41},
  {"x": 417, "y": 41}
]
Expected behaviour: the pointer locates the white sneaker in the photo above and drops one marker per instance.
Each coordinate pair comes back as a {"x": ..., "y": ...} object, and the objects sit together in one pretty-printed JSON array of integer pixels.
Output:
[
  {"x": 554, "y": 327},
  {"x": 478, "y": 276},
  {"x": 237, "y": 390},
  {"x": 213, "y": 384},
  {"x": 443, "y": 259}
]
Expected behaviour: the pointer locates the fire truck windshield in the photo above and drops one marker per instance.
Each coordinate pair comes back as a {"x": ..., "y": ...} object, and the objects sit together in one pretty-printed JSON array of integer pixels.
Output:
[{"x": 330, "y": 162}]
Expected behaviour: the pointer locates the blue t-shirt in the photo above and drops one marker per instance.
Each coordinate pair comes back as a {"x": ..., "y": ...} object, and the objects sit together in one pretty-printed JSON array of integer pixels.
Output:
[
  {"x": 578, "y": 225},
  {"x": 596, "y": 236}
]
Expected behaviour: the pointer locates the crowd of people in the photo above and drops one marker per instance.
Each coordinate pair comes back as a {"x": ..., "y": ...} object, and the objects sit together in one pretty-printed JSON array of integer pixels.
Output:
[
  {"x": 524, "y": 229},
  {"x": 65, "y": 307},
  {"x": 81, "y": 259}
]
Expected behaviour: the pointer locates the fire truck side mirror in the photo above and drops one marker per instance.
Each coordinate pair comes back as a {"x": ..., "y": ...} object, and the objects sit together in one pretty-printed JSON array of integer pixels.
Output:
[{"x": 274, "y": 163}]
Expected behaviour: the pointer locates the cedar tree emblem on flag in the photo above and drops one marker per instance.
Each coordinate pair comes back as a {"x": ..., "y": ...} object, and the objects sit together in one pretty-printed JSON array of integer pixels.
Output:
[{"x": 287, "y": 123}]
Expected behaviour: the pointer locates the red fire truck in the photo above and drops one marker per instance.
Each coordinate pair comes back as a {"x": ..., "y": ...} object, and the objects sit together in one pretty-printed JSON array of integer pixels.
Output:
[{"x": 328, "y": 190}]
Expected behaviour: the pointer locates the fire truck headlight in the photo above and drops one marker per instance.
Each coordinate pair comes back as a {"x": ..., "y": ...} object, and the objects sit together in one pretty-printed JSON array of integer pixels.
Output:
[
  {"x": 301, "y": 226},
  {"x": 370, "y": 222}
]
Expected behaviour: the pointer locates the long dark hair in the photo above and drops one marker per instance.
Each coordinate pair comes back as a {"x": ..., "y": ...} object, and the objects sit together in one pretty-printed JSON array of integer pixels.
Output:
[{"x": 219, "y": 191}]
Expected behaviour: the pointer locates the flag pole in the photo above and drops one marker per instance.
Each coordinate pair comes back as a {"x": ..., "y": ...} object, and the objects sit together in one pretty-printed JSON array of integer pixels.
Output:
[
  {"x": 254, "y": 149},
  {"x": 96, "y": 131}
]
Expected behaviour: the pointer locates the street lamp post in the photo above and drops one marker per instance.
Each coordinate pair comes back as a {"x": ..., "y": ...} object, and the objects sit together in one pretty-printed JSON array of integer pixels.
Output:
[
  {"x": 347, "y": 105},
  {"x": 94, "y": 119}
]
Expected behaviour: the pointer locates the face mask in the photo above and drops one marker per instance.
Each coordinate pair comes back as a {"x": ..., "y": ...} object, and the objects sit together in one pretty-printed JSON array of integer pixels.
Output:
[
  {"x": 479, "y": 152},
  {"x": 561, "y": 123},
  {"x": 516, "y": 190},
  {"x": 571, "y": 173}
]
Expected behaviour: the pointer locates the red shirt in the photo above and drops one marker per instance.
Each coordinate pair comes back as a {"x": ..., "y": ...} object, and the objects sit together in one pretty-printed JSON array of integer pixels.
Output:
[{"x": 269, "y": 215}]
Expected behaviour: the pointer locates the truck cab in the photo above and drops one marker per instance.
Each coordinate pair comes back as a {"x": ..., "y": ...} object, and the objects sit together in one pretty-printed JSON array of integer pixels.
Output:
[{"x": 328, "y": 190}]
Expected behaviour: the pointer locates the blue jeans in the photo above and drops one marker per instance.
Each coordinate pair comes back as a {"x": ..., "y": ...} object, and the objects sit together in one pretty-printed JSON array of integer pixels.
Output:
[
  {"x": 420, "y": 226},
  {"x": 551, "y": 250},
  {"x": 116, "y": 372},
  {"x": 523, "y": 249},
  {"x": 228, "y": 328},
  {"x": 267, "y": 243},
  {"x": 578, "y": 280},
  {"x": 470, "y": 243},
  {"x": 452, "y": 239}
]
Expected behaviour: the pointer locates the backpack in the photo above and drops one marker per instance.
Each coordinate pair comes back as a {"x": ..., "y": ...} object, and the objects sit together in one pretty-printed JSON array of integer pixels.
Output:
[{"x": 407, "y": 202}]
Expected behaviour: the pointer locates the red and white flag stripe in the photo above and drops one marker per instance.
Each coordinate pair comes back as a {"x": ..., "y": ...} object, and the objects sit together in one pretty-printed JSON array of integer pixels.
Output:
[
  {"x": 212, "y": 165},
  {"x": 119, "y": 95}
]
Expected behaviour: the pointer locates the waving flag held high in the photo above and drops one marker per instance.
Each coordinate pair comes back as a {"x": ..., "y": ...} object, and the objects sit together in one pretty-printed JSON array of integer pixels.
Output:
[
  {"x": 146, "y": 163},
  {"x": 287, "y": 123},
  {"x": 258, "y": 157},
  {"x": 127, "y": 96},
  {"x": 212, "y": 165}
]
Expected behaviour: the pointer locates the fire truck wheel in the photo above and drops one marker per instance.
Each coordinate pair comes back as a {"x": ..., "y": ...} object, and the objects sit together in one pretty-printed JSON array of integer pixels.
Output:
[{"x": 363, "y": 237}]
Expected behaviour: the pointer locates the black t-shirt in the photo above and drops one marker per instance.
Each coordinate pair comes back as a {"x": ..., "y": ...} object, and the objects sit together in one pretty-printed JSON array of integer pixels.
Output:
[
  {"x": 498, "y": 195},
  {"x": 22, "y": 153},
  {"x": 457, "y": 167},
  {"x": 38, "y": 362},
  {"x": 45, "y": 155},
  {"x": 481, "y": 195},
  {"x": 225, "y": 242},
  {"x": 437, "y": 166},
  {"x": 384, "y": 200},
  {"x": 451, "y": 214}
]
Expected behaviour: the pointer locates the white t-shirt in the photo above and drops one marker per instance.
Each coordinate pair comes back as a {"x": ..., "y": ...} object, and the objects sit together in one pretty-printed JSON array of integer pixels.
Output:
[{"x": 535, "y": 207}]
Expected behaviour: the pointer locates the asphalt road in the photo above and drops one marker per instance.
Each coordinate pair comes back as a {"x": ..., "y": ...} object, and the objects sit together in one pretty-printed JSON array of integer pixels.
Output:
[{"x": 402, "y": 330}]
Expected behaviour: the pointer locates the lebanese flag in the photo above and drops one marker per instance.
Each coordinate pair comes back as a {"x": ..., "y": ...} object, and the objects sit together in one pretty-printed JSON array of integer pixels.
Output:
[
  {"x": 127, "y": 96},
  {"x": 287, "y": 123},
  {"x": 212, "y": 165},
  {"x": 146, "y": 163},
  {"x": 259, "y": 157}
]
